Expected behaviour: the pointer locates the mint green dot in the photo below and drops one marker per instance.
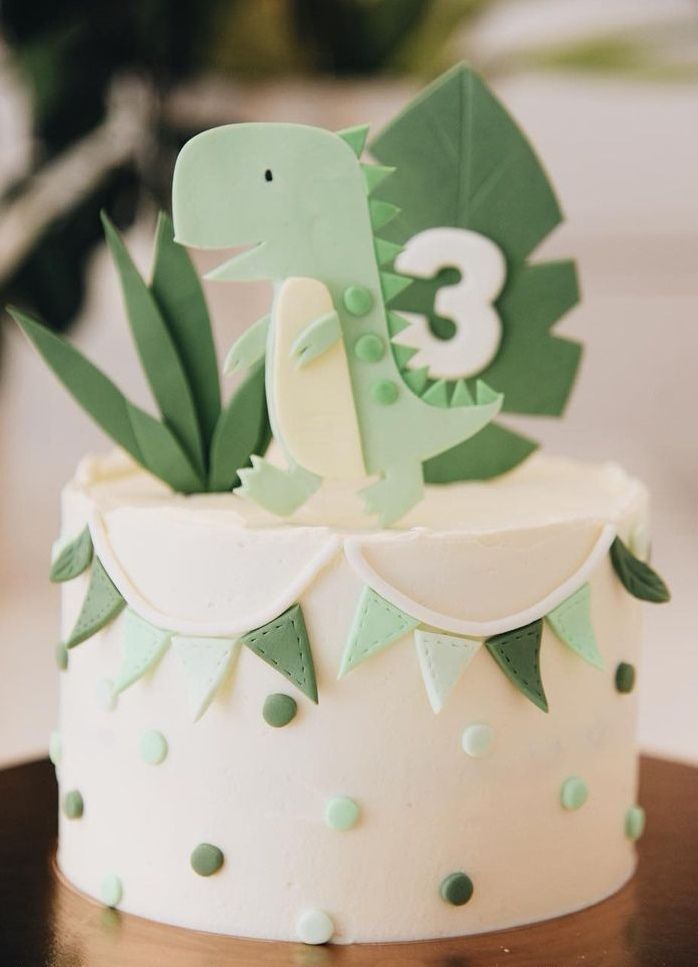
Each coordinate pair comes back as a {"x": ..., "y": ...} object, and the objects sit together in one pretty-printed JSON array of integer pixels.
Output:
[
  {"x": 634, "y": 822},
  {"x": 384, "y": 392},
  {"x": 314, "y": 927},
  {"x": 106, "y": 696},
  {"x": 153, "y": 747},
  {"x": 111, "y": 890},
  {"x": 61, "y": 657},
  {"x": 456, "y": 889},
  {"x": 573, "y": 793},
  {"x": 357, "y": 300},
  {"x": 278, "y": 710},
  {"x": 341, "y": 813},
  {"x": 477, "y": 740},
  {"x": 369, "y": 348},
  {"x": 73, "y": 804},
  {"x": 625, "y": 677},
  {"x": 55, "y": 748},
  {"x": 206, "y": 859}
]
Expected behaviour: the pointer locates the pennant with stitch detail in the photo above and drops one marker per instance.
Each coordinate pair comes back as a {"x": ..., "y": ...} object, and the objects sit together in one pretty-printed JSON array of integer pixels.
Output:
[
  {"x": 517, "y": 653},
  {"x": 376, "y": 624},
  {"x": 442, "y": 660},
  {"x": 571, "y": 622},
  {"x": 102, "y": 603},
  {"x": 143, "y": 646},
  {"x": 205, "y": 663},
  {"x": 284, "y": 644}
]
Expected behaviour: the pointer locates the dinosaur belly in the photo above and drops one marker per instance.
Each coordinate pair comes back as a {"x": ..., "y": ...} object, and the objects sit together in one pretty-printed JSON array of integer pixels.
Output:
[{"x": 313, "y": 405}]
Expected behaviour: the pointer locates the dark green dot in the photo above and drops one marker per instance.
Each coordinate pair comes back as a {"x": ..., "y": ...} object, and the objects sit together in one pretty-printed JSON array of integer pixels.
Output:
[
  {"x": 73, "y": 805},
  {"x": 369, "y": 348},
  {"x": 357, "y": 300},
  {"x": 206, "y": 859},
  {"x": 279, "y": 710},
  {"x": 625, "y": 677},
  {"x": 62, "y": 657},
  {"x": 456, "y": 889},
  {"x": 384, "y": 392}
]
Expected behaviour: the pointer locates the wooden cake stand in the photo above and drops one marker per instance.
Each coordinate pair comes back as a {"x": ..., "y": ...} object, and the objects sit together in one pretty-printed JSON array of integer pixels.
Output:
[{"x": 652, "y": 922}]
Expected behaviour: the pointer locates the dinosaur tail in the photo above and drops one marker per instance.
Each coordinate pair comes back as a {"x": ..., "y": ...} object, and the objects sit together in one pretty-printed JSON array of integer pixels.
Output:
[{"x": 448, "y": 422}]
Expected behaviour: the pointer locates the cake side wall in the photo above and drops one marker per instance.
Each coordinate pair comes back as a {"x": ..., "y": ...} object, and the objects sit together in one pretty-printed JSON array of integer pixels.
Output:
[{"x": 427, "y": 809}]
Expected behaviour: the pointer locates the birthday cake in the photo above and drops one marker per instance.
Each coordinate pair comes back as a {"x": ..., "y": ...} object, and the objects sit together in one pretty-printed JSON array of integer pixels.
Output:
[{"x": 343, "y": 659}]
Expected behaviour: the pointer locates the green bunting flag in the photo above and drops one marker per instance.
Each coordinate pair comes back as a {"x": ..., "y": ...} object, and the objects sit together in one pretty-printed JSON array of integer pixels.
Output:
[
  {"x": 283, "y": 644},
  {"x": 442, "y": 660},
  {"x": 143, "y": 645},
  {"x": 517, "y": 653},
  {"x": 376, "y": 624},
  {"x": 571, "y": 622},
  {"x": 205, "y": 663},
  {"x": 102, "y": 603}
]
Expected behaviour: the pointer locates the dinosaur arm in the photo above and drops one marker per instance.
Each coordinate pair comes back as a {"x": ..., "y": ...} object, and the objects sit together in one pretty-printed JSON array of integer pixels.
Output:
[
  {"x": 249, "y": 348},
  {"x": 317, "y": 337}
]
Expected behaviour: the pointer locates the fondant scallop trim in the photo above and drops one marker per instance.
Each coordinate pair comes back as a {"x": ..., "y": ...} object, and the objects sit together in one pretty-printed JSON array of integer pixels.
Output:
[
  {"x": 238, "y": 624},
  {"x": 353, "y": 549}
]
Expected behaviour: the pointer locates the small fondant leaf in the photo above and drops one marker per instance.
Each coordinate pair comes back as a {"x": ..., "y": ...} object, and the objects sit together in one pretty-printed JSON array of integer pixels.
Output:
[
  {"x": 161, "y": 363},
  {"x": 73, "y": 559},
  {"x": 638, "y": 578},
  {"x": 180, "y": 298},
  {"x": 284, "y": 645},
  {"x": 102, "y": 603},
  {"x": 376, "y": 624},
  {"x": 243, "y": 430},
  {"x": 517, "y": 653}
]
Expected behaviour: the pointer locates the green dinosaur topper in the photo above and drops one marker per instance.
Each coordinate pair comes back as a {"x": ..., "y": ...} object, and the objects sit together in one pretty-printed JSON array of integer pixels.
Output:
[{"x": 342, "y": 400}]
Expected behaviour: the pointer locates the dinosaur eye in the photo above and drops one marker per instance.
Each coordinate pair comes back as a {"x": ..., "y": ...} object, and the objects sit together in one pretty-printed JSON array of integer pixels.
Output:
[{"x": 268, "y": 176}]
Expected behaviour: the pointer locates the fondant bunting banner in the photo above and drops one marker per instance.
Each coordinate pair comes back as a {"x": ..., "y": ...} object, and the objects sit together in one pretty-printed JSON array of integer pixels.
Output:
[
  {"x": 143, "y": 646},
  {"x": 571, "y": 622},
  {"x": 102, "y": 603},
  {"x": 517, "y": 653},
  {"x": 377, "y": 624},
  {"x": 283, "y": 644},
  {"x": 205, "y": 663},
  {"x": 442, "y": 660}
]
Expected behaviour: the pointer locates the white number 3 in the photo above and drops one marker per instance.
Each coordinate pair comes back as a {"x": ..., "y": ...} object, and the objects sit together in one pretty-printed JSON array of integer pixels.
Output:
[{"x": 468, "y": 303}]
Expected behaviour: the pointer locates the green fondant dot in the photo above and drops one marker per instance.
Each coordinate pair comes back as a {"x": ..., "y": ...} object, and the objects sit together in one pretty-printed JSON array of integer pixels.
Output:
[
  {"x": 61, "y": 657},
  {"x": 314, "y": 927},
  {"x": 573, "y": 793},
  {"x": 279, "y": 710},
  {"x": 384, "y": 392},
  {"x": 111, "y": 890},
  {"x": 206, "y": 859},
  {"x": 625, "y": 677},
  {"x": 456, "y": 889},
  {"x": 153, "y": 747},
  {"x": 341, "y": 813},
  {"x": 477, "y": 740},
  {"x": 634, "y": 823},
  {"x": 73, "y": 804},
  {"x": 106, "y": 696},
  {"x": 369, "y": 348},
  {"x": 357, "y": 300},
  {"x": 55, "y": 748}
]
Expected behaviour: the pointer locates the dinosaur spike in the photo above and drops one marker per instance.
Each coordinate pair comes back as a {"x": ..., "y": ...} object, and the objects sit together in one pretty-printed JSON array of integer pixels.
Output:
[
  {"x": 437, "y": 394},
  {"x": 393, "y": 285},
  {"x": 381, "y": 213},
  {"x": 416, "y": 379},
  {"x": 396, "y": 323},
  {"x": 374, "y": 175},
  {"x": 485, "y": 393},
  {"x": 355, "y": 137},
  {"x": 403, "y": 354},
  {"x": 386, "y": 252},
  {"x": 462, "y": 395}
]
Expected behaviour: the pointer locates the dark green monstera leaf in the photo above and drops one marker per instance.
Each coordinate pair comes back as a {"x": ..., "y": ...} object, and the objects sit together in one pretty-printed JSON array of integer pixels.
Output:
[{"x": 462, "y": 162}]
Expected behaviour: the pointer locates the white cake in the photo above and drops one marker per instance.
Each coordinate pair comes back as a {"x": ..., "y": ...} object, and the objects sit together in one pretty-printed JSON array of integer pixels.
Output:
[{"x": 538, "y": 811}]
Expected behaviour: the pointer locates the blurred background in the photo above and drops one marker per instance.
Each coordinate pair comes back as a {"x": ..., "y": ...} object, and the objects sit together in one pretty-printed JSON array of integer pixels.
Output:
[{"x": 95, "y": 101}]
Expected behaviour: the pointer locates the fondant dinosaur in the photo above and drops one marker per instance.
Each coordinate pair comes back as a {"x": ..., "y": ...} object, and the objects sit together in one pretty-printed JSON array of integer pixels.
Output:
[{"x": 342, "y": 401}]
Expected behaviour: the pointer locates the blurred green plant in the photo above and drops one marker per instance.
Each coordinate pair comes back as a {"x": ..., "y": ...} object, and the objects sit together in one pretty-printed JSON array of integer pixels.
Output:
[{"x": 71, "y": 55}]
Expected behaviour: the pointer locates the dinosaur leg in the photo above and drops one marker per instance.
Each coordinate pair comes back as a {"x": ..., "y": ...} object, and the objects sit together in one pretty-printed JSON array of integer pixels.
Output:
[
  {"x": 280, "y": 491},
  {"x": 400, "y": 488}
]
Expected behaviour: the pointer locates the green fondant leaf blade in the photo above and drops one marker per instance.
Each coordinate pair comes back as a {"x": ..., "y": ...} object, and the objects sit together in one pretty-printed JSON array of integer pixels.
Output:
[
  {"x": 180, "y": 298},
  {"x": 243, "y": 429},
  {"x": 284, "y": 644},
  {"x": 162, "y": 454},
  {"x": 376, "y": 624},
  {"x": 102, "y": 603},
  {"x": 493, "y": 451},
  {"x": 637, "y": 577},
  {"x": 161, "y": 363},
  {"x": 74, "y": 558},
  {"x": 517, "y": 653},
  {"x": 142, "y": 647},
  {"x": 571, "y": 622},
  {"x": 205, "y": 663}
]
